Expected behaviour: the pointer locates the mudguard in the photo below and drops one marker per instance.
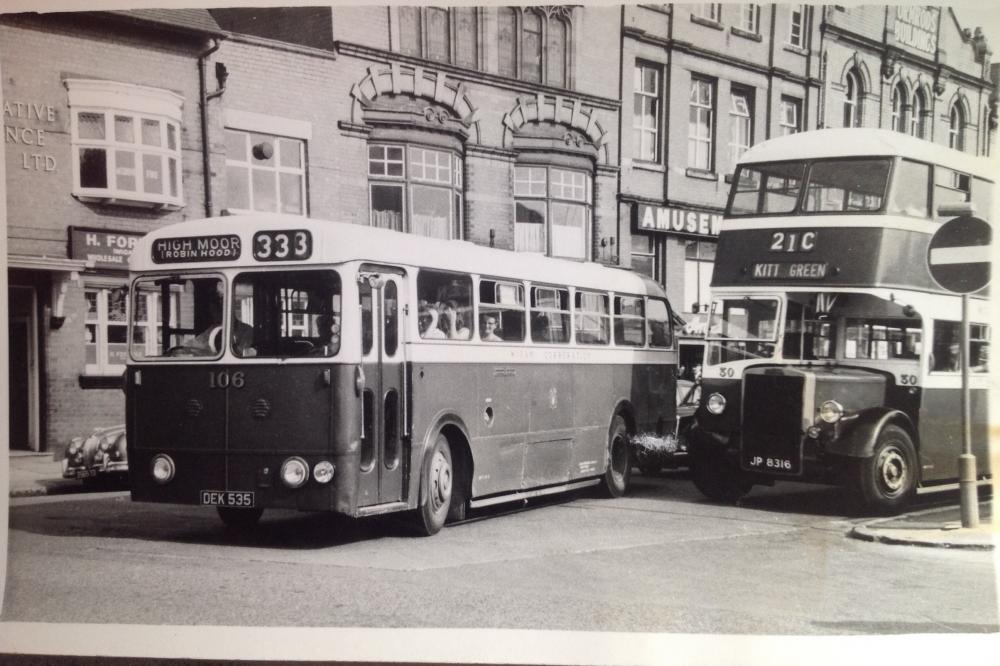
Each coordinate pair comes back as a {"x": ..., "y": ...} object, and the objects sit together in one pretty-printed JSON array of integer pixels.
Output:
[{"x": 856, "y": 437}]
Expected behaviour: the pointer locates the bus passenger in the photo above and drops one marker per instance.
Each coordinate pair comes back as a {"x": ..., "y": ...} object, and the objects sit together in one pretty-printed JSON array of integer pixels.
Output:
[
  {"x": 489, "y": 328},
  {"x": 456, "y": 328},
  {"x": 428, "y": 322}
]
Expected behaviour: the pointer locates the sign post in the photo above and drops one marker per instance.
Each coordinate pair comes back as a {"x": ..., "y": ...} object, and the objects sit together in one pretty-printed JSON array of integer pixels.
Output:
[{"x": 958, "y": 258}]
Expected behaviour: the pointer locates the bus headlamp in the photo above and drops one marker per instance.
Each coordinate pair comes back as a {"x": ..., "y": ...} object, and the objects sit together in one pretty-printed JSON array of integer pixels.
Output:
[
  {"x": 715, "y": 404},
  {"x": 162, "y": 467},
  {"x": 323, "y": 471},
  {"x": 831, "y": 411},
  {"x": 294, "y": 472}
]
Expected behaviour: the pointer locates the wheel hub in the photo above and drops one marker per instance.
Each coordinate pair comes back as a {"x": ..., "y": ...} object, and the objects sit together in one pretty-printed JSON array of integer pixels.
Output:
[
  {"x": 440, "y": 480},
  {"x": 892, "y": 470}
]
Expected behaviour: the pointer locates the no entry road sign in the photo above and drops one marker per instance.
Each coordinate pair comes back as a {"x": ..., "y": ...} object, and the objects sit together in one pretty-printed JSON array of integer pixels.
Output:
[{"x": 959, "y": 255}]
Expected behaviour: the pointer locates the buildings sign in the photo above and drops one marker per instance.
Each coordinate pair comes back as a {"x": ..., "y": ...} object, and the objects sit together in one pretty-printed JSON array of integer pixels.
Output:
[
  {"x": 30, "y": 139},
  {"x": 679, "y": 221},
  {"x": 106, "y": 249},
  {"x": 916, "y": 26}
]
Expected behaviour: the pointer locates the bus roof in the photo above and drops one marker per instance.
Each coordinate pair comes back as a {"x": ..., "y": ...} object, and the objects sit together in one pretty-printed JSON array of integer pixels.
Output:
[
  {"x": 338, "y": 242},
  {"x": 856, "y": 141}
]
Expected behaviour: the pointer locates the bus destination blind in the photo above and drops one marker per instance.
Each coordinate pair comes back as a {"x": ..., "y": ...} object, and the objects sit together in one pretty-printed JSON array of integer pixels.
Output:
[
  {"x": 798, "y": 270},
  {"x": 187, "y": 249}
]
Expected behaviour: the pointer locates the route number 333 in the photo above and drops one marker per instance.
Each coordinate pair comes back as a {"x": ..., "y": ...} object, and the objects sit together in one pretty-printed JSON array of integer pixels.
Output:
[{"x": 291, "y": 245}]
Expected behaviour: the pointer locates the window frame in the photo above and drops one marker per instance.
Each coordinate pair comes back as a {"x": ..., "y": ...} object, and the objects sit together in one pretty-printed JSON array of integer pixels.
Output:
[
  {"x": 797, "y": 26},
  {"x": 750, "y": 18},
  {"x": 585, "y": 201},
  {"x": 566, "y": 315},
  {"x": 277, "y": 168},
  {"x": 522, "y": 308},
  {"x": 740, "y": 121},
  {"x": 407, "y": 181},
  {"x": 710, "y": 109},
  {"x": 918, "y": 112},
  {"x": 618, "y": 316},
  {"x": 853, "y": 98},
  {"x": 604, "y": 318},
  {"x": 794, "y": 103},
  {"x": 103, "y": 367},
  {"x": 899, "y": 122},
  {"x": 168, "y": 130},
  {"x": 638, "y": 118},
  {"x": 956, "y": 126}
]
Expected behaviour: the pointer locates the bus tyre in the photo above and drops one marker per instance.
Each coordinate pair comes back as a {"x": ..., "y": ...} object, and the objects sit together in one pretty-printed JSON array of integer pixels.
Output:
[
  {"x": 436, "y": 483},
  {"x": 886, "y": 481},
  {"x": 239, "y": 518},
  {"x": 619, "y": 469},
  {"x": 716, "y": 476}
]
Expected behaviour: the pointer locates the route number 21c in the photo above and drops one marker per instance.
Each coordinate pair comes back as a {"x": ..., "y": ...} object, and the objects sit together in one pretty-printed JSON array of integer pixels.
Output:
[
  {"x": 291, "y": 245},
  {"x": 782, "y": 241}
]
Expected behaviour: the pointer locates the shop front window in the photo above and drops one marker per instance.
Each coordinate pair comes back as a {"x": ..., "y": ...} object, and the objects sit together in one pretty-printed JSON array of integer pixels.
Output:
[
  {"x": 106, "y": 330},
  {"x": 416, "y": 189},
  {"x": 552, "y": 211}
]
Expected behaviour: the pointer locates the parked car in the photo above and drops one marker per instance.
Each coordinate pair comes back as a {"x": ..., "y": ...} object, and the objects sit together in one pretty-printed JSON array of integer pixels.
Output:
[
  {"x": 98, "y": 456},
  {"x": 654, "y": 453}
]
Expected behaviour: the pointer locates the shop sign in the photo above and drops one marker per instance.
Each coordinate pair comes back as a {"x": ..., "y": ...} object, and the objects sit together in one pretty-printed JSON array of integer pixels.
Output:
[
  {"x": 916, "y": 26},
  {"x": 25, "y": 125},
  {"x": 105, "y": 249},
  {"x": 679, "y": 221}
]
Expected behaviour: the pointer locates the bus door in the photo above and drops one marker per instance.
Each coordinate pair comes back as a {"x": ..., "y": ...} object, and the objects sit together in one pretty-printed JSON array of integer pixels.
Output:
[{"x": 382, "y": 298}]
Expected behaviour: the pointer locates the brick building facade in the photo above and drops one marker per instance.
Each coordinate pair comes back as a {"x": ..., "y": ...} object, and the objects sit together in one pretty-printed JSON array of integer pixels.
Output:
[
  {"x": 701, "y": 83},
  {"x": 599, "y": 133}
]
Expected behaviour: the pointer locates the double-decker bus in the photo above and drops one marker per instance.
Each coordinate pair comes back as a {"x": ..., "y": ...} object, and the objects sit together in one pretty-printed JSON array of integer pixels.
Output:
[
  {"x": 283, "y": 362},
  {"x": 831, "y": 353}
]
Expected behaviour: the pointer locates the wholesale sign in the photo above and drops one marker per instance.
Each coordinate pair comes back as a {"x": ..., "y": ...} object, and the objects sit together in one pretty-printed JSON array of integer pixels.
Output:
[{"x": 105, "y": 249}]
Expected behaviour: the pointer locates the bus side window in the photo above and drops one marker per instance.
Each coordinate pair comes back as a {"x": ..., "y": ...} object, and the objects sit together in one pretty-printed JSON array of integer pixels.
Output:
[
  {"x": 501, "y": 310},
  {"x": 365, "y": 297},
  {"x": 630, "y": 325},
  {"x": 947, "y": 347},
  {"x": 444, "y": 309},
  {"x": 549, "y": 314},
  {"x": 658, "y": 320},
  {"x": 592, "y": 318}
]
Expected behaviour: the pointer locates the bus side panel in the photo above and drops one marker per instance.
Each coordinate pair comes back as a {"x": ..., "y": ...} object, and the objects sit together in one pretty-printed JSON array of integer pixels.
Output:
[
  {"x": 549, "y": 442},
  {"x": 498, "y": 446},
  {"x": 656, "y": 401},
  {"x": 941, "y": 432},
  {"x": 594, "y": 398}
]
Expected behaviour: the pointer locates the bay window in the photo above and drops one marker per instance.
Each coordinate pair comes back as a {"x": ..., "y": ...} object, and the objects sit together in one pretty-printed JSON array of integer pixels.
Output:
[
  {"x": 126, "y": 144},
  {"x": 552, "y": 211},
  {"x": 415, "y": 189}
]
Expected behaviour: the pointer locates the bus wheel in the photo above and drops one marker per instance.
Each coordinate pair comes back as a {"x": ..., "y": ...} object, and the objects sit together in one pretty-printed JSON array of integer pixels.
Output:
[
  {"x": 716, "y": 476},
  {"x": 239, "y": 518},
  {"x": 436, "y": 483},
  {"x": 619, "y": 471},
  {"x": 887, "y": 480}
]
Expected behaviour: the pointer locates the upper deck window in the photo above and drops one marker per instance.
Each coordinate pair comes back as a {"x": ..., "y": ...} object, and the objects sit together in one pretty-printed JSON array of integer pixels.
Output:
[
  {"x": 847, "y": 185},
  {"x": 833, "y": 185}
]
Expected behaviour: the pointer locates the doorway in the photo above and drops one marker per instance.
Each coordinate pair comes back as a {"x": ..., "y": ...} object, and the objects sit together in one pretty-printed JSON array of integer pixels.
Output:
[{"x": 22, "y": 379}]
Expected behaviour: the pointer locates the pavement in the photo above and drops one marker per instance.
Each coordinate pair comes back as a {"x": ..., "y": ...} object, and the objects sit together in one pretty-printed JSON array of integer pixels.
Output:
[{"x": 941, "y": 526}]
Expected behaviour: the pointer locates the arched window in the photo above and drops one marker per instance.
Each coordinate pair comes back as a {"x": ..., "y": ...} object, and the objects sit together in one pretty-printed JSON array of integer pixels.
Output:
[
  {"x": 852, "y": 100},
  {"x": 443, "y": 34},
  {"x": 984, "y": 131},
  {"x": 507, "y": 40},
  {"x": 531, "y": 41},
  {"x": 956, "y": 127},
  {"x": 556, "y": 53},
  {"x": 534, "y": 44},
  {"x": 917, "y": 111},
  {"x": 899, "y": 108}
]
